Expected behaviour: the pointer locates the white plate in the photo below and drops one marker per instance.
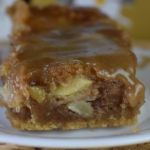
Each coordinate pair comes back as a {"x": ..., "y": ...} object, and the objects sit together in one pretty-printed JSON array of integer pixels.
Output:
[{"x": 88, "y": 138}]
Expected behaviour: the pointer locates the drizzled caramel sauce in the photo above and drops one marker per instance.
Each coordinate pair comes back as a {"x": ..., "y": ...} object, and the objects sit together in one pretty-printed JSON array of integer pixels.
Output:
[{"x": 86, "y": 44}]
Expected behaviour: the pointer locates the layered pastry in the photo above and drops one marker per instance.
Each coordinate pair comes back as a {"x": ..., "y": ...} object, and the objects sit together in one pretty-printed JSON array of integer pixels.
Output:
[{"x": 69, "y": 68}]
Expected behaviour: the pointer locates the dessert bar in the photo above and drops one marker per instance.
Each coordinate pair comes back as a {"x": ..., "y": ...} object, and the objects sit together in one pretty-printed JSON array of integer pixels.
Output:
[{"x": 69, "y": 68}]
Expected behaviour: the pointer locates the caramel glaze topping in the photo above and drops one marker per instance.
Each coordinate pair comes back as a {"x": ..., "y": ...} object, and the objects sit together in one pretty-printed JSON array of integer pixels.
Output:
[{"x": 89, "y": 44}]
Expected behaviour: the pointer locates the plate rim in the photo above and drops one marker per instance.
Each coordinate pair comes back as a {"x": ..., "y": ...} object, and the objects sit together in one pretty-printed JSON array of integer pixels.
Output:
[{"x": 105, "y": 142}]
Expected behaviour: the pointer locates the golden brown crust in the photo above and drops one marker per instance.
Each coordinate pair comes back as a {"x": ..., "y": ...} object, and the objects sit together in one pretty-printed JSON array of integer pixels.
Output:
[{"x": 33, "y": 125}]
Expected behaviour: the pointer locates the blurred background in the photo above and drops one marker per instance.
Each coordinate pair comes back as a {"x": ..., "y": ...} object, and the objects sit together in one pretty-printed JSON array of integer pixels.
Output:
[{"x": 132, "y": 14}]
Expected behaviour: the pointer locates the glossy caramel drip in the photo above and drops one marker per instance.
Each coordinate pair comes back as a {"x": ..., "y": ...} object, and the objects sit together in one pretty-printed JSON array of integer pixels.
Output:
[{"x": 88, "y": 44}]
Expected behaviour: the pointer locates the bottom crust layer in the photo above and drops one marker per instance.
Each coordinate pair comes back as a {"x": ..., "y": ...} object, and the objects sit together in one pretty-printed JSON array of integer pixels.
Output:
[{"x": 33, "y": 125}]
